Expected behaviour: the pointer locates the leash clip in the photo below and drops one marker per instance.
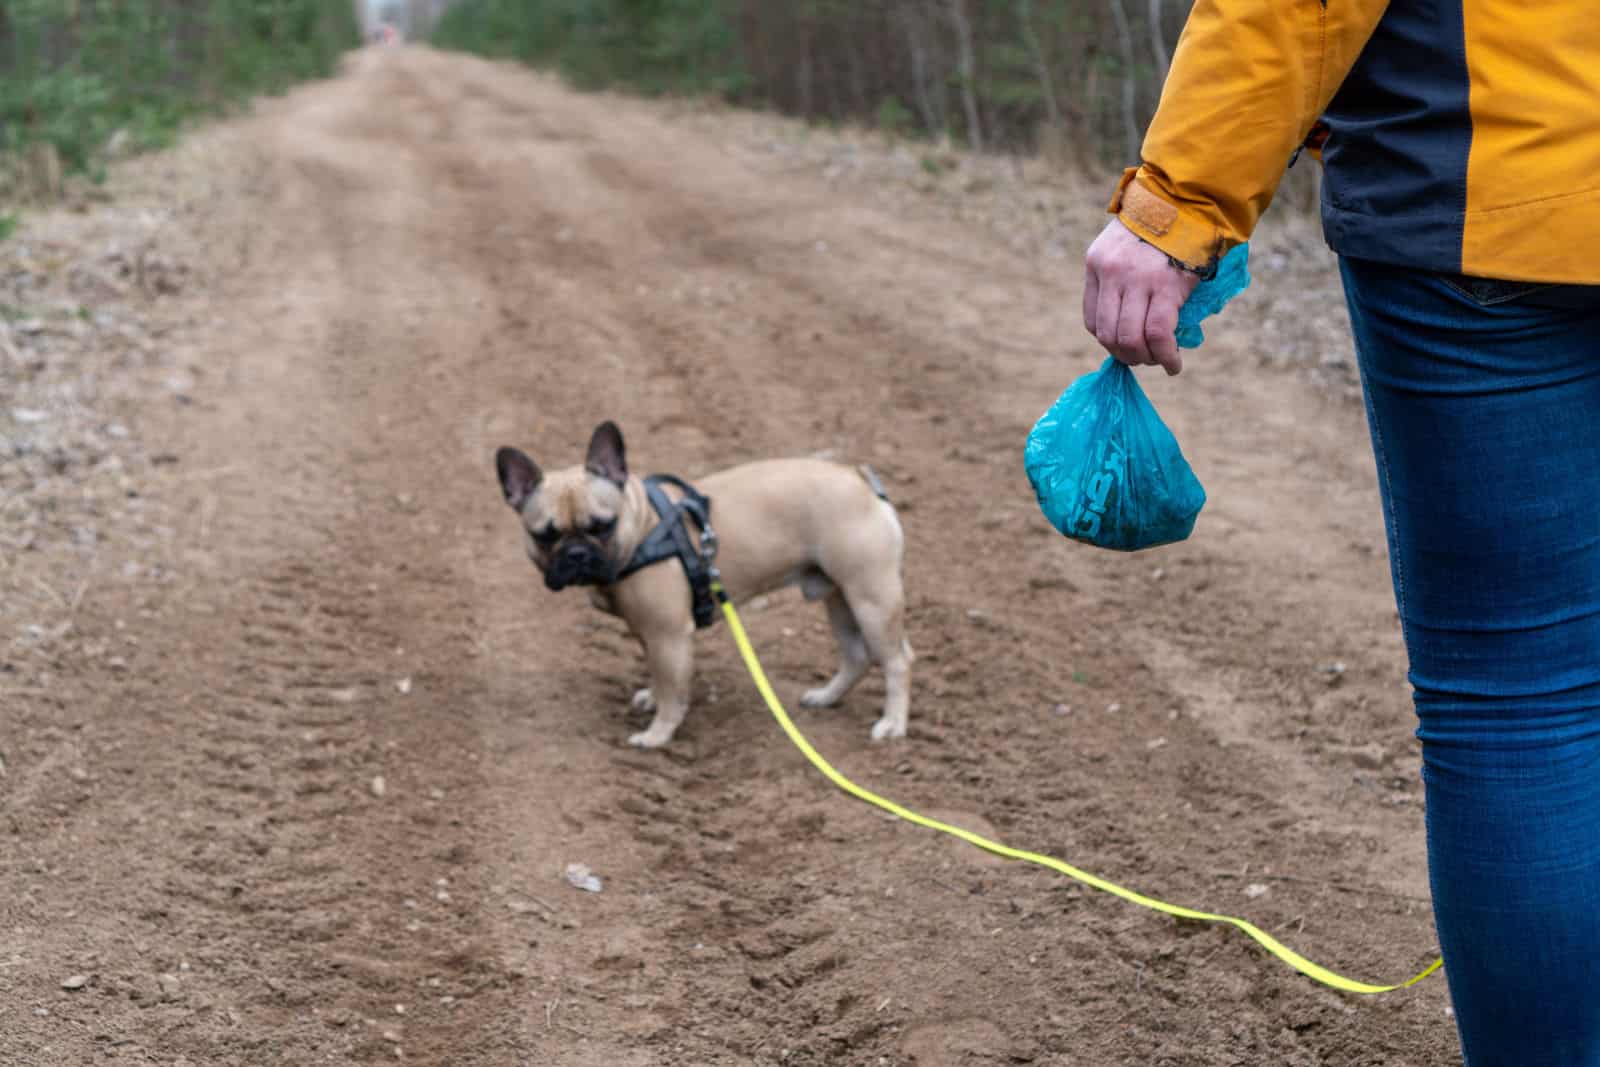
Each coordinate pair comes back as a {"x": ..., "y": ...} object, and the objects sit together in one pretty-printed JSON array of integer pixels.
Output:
[
  {"x": 708, "y": 559},
  {"x": 708, "y": 547}
]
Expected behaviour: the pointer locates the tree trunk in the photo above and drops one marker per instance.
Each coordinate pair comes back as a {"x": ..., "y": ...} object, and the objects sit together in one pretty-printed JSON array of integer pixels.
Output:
[
  {"x": 1158, "y": 44},
  {"x": 1130, "y": 116},
  {"x": 1047, "y": 82},
  {"x": 855, "y": 37},
  {"x": 968, "y": 62},
  {"x": 923, "y": 99},
  {"x": 807, "y": 108}
]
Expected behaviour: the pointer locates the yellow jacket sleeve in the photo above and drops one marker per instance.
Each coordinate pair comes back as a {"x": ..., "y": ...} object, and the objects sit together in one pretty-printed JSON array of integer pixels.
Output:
[{"x": 1249, "y": 80}]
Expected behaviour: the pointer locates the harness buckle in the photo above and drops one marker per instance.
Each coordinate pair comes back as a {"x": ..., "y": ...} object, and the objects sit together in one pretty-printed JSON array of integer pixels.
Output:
[{"x": 708, "y": 554}]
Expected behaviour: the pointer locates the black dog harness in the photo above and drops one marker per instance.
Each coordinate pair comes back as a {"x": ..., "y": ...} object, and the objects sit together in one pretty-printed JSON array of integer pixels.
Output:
[{"x": 670, "y": 540}]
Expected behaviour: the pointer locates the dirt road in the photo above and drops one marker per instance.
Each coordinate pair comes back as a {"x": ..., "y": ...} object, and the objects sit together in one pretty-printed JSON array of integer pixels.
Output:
[{"x": 399, "y": 270}]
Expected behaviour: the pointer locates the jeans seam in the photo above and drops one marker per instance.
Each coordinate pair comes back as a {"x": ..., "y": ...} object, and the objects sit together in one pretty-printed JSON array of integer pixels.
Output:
[
  {"x": 1382, "y": 454},
  {"x": 1506, "y": 298}
]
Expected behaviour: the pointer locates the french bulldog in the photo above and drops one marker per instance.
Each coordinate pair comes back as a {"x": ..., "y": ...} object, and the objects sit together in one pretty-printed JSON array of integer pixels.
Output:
[{"x": 813, "y": 523}]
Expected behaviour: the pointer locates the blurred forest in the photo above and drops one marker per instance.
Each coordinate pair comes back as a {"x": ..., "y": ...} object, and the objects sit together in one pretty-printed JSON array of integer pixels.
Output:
[
  {"x": 84, "y": 79},
  {"x": 1075, "y": 79}
]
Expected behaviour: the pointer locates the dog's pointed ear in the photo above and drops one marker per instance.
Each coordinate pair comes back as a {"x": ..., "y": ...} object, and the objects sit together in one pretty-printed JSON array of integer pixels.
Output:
[
  {"x": 606, "y": 455},
  {"x": 519, "y": 476}
]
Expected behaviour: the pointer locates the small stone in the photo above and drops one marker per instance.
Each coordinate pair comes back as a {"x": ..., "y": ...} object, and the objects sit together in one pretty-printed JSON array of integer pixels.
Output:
[
  {"x": 1370, "y": 757},
  {"x": 399, "y": 1009},
  {"x": 378, "y": 786},
  {"x": 77, "y": 981},
  {"x": 1112, "y": 709},
  {"x": 1159, "y": 742},
  {"x": 1063, "y": 709},
  {"x": 171, "y": 987},
  {"x": 1255, "y": 890},
  {"x": 580, "y": 877},
  {"x": 42, "y": 1012},
  {"x": 404, "y": 686}
]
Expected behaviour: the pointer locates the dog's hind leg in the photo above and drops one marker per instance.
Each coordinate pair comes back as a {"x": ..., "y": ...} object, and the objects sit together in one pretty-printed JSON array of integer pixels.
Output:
[
  {"x": 881, "y": 619},
  {"x": 854, "y": 658}
]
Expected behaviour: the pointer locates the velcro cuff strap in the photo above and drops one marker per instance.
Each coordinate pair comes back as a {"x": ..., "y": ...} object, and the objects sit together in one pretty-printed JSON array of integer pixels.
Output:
[{"x": 1193, "y": 242}]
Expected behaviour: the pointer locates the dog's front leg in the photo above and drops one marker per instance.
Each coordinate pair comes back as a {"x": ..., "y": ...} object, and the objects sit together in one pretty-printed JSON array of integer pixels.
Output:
[{"x": 671, "y": 660}]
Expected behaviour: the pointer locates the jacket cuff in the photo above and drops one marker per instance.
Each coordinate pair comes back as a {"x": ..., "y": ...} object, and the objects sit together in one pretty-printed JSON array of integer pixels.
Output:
[{"x": 1192, "y": 241}]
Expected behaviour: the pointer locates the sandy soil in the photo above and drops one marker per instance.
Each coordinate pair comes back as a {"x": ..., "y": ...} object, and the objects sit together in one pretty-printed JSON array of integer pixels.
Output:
[{"x": 296, "y": 747}]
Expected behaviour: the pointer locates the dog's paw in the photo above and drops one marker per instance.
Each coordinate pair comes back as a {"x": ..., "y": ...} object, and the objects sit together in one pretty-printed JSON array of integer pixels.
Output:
[
  {"x": 651, "y": 738},
  {"x": 644, "y": 700},
  {"x": 817, "y": 698},
  {"x": 886, "y": 728}
]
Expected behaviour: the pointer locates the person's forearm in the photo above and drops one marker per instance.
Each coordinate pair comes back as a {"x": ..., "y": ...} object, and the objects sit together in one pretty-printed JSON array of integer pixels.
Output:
[{"x": 1249, "y": 80}]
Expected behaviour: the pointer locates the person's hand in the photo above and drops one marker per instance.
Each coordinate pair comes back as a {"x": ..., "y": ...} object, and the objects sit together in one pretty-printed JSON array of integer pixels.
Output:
[{"x": 1131, "y": 297}]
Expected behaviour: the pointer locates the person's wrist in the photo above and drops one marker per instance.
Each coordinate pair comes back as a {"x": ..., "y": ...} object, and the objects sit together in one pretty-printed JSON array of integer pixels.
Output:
[{"x": 1200, "y": 275}]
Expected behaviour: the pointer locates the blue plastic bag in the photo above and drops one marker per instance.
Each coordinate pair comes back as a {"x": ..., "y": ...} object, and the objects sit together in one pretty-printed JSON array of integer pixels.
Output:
[
  {"x": 1213, "y": 294},
  {"x": 1105, "y": 468}
]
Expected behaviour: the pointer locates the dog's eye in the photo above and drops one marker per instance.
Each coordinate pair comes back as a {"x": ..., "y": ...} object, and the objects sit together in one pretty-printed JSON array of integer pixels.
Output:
[
  {"x": 547, "y": 536},
  {"x": 602, "y": 528}
]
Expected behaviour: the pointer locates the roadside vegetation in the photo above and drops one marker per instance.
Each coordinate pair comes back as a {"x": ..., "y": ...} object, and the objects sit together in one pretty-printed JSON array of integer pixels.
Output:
[{"x": 82, "y": 81}]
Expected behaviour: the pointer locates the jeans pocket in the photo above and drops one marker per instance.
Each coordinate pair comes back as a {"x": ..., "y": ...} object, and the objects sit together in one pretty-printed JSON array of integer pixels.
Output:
[{"x": 1486, "y": 292}]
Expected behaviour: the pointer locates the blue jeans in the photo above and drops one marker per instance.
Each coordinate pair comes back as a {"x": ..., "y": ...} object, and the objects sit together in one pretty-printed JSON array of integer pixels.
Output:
[{"x": 1483, "y": 399}]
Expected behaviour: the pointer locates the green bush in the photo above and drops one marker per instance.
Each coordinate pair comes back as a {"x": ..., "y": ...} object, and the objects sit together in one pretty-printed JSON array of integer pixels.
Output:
[
  {"x": 74, "y": 72},
  {"x": 650, "y": 46},
  {"x": 894, "y": 117}
]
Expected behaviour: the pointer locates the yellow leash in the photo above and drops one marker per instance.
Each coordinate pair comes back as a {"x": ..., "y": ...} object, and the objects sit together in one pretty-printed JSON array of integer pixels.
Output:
[{"x": 1266, "y": 940}]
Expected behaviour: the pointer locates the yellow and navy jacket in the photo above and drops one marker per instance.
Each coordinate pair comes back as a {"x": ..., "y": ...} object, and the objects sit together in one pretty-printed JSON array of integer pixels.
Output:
[{"x": 1460, "y": 136}]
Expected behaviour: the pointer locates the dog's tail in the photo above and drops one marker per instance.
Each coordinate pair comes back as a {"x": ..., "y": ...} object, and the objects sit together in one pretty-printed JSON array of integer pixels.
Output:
[{"x": 875, "y": 483}]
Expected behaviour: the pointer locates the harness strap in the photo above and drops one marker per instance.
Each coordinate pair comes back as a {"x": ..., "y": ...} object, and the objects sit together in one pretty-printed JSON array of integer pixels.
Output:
[{"x": 670, "y": 539}]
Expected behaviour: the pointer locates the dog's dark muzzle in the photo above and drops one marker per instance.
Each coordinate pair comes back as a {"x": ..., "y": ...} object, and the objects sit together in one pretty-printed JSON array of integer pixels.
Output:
[{"x": 578, "y": 563}]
